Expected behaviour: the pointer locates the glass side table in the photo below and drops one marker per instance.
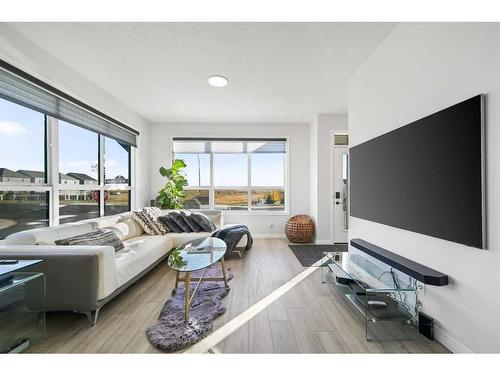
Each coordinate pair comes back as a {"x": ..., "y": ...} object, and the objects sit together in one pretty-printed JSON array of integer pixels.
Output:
[
  {"x": 22, "y": 311},
  {"x": 386, "y": 298}
]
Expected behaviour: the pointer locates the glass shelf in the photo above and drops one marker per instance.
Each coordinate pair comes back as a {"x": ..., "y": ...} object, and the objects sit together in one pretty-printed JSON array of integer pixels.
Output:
[
  {"x": 386, "y": 298},
  {"x": 22, "y": 311}
]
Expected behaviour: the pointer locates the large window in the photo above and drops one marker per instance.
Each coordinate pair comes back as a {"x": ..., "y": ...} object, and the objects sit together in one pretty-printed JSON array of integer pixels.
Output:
[
  {"x": 197, "y": 168},
  {"x": 23, "y": 195},
  {"x": 79, "y": 151},
  {"x": 92, "y": 177},
  {"x": 116, "y": 177},
  {"x": 234, "y": 174},
  {"x": 78, "y": 166},
  {"x": 76, "y": 205}
]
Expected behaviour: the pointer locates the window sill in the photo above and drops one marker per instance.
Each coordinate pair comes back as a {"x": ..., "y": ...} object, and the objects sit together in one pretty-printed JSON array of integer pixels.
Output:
[
  {"x": 254, "y": 213},
  {"x": 242, "y": 212}
]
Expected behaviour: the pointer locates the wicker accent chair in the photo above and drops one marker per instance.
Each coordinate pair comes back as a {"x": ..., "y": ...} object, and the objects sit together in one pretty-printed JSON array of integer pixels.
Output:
[{"x": 299, "y": 229}]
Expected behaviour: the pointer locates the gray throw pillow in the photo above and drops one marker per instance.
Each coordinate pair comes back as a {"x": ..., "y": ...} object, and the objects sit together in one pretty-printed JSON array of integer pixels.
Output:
[
  {"x": 98, "y": 237},
  {"x": 179, "y": 220},
  {"x": 187, "y": 215},
  {"x": 204, "y": 222},
  {"x": 170, "y": 223}
]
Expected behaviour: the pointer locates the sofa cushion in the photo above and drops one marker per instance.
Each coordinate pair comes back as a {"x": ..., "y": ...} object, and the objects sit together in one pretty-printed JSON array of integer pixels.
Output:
[
  {"x": 170, "y": 223},
  {"x": 153, "y": 215},
  {"x": 104, "y": 221},
  {"x": 178, "y": 218},
  {"x": 139, "y": 253},
  {"x": 141, "y": 219},
  {"x": 126, "y": 229},
  {"x": 98, "y": 237},
  {"x": 190, "y": 221},
  {"x": 125, "y": 216},
  {"x": 48, "y": 235},
  {"x": 215, "y": 215},
  {"x": 204, "y": 222},
  {"x": 181, "y": 238}
]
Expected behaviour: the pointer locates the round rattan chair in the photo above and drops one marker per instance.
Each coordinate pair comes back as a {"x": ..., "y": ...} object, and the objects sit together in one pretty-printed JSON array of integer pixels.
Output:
[{"x": 299, "y": 229}]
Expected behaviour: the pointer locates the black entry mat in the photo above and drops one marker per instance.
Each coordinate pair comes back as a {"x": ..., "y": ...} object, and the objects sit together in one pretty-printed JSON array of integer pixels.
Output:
[{"x": 307, "y": 255}]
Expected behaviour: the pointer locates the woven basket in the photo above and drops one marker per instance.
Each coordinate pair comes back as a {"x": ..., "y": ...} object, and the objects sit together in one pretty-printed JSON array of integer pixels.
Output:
[{"x": 299, "y": 229}]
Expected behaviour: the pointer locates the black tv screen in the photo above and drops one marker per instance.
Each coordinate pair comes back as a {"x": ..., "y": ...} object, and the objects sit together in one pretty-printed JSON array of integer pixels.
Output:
[{"x": 427, "y": 176}]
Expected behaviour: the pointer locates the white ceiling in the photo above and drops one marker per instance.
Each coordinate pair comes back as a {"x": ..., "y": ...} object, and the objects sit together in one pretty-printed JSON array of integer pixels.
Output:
[{"x": 278, "y": 72}]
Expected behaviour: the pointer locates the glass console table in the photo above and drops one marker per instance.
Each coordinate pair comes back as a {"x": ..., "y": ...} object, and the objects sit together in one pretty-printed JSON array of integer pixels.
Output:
[
  {"x": 22, "y": 311},
  {"x": 386, "y": 298}
]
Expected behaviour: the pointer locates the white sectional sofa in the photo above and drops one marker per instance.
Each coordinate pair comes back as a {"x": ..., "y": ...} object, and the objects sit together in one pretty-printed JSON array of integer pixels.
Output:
[{"x": 84, "y": 278}]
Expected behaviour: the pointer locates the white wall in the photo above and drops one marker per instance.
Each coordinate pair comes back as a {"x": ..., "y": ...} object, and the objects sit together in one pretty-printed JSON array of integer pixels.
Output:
[
  {"x": 298, "y": 161},
  {"x": 23, "y": 54},
  {"x": 417, "y": 70},
  {"x": 313, "y": 172},
  {"x": 322, "y": 170}
]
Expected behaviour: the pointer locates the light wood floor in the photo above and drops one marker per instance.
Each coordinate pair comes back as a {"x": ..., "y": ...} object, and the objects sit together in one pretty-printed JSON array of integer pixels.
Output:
[{"x": 310, "y": 318}]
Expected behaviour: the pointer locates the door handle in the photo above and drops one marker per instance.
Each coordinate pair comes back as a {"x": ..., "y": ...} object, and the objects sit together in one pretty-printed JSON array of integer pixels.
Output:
[{"x": 337, "y": 203}]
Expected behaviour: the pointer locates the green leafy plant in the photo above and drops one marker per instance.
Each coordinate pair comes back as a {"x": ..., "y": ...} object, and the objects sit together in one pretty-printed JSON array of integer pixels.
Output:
[
  {"x": 175, "y": 260},
  {"x": 171, "y": 195}
]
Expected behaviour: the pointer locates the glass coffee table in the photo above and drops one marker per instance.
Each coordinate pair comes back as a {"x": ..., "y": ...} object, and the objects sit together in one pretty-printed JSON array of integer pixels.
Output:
[{"x": 197, "y": 255}]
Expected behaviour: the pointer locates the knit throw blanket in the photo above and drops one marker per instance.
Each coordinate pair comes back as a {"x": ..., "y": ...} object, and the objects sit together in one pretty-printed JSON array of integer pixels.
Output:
[{"x": 232, "y": 235}]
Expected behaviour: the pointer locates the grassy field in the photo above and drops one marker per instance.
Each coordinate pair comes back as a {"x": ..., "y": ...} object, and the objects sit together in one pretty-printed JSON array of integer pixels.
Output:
[
  {"x": 240, "y": 198},
  {"x": 231, "y": 198}
]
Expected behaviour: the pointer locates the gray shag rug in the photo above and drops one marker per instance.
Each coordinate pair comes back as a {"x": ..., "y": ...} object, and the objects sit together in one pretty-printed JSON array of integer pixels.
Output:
[{"x": 171, "y": 333}]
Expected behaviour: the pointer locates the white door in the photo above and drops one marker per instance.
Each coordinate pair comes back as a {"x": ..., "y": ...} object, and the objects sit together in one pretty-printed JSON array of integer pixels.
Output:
[{"x": 341, "y": 191}]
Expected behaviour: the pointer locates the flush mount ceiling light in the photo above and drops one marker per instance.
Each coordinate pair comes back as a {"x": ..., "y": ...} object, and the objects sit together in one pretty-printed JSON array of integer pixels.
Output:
[{"x": 217, "y": 81}]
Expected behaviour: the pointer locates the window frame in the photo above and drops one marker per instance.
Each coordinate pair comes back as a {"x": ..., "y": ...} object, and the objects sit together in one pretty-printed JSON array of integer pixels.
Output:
[
  {"x": 44, "y": 187},
  {"x": 129, "y": 188},
  {"x": 249, "y": 188},
  {"x": 51, "y": 163}
]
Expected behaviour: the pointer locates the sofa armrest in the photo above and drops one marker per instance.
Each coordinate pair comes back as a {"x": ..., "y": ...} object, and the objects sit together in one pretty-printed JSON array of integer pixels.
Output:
[{"x": 76, "y": 276}]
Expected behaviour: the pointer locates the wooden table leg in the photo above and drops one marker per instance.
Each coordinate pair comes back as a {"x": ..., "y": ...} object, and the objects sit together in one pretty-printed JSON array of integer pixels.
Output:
[
  {"x": 223, "y": 265},
  {"x": 187, "y": 284},
  {"x": 177, "y": 279}
]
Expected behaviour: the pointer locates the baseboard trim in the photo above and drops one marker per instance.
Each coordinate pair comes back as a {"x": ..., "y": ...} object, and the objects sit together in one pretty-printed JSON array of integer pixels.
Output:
[
  {"x": 268, "y": 235},
  {"x": 450, "y": 342},
  {"x": 323, "y": 242}
]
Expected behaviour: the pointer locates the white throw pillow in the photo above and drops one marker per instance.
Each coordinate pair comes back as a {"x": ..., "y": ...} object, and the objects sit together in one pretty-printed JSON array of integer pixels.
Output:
[
  {"x": 217, "y": 219},
  {"x": 126, "y": 229}
]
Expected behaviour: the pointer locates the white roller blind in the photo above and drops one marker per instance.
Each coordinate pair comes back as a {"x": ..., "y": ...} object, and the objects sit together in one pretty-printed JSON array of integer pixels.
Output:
[{"x": 229, "y": 145}]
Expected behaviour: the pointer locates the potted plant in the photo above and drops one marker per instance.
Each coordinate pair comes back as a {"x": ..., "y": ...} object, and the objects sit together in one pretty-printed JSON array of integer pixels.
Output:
[{"x": 172, "y": 194}]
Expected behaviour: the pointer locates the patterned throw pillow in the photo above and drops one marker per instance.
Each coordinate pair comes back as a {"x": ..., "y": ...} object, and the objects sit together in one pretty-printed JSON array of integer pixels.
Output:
[
  {"x": 204, "y": 222},
  {"x": 170, "y": 223},
  {"x": 153, "y": 215},
  {"x": 179, "y": 220},
  {"x": 187, "y": 216},
  {"x": 98, "y": 237},
  {"x": 140, "y": 218}
]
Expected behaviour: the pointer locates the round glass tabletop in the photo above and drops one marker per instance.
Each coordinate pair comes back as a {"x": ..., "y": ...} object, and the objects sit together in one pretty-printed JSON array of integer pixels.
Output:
[{"x": 197, "y": 254}]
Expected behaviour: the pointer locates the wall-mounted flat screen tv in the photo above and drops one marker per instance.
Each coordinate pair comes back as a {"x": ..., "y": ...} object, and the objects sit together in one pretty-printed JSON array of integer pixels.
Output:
[{"x": 426, "y": 177}]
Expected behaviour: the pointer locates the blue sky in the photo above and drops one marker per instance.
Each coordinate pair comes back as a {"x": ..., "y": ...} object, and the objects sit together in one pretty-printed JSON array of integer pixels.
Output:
[
  {"x": 231, "y": 169},
  {"x": 21, "y": 137},
  {"x": 22, "y": 144}
]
